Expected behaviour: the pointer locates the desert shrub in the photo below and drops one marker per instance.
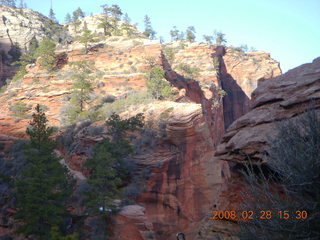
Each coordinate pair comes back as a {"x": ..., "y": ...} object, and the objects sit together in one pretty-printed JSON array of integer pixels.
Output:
[
  {"x": 19, "y": 110},
  {"x": 169, "y": 53},
  {"x": 20, "y": 73},
  {"x": 95, "y": 130},
  {"x": 120, "y": 105},
  {"x": 291, "y": 184},
  {"x": 148, "y": 139},
  {"x": 188, "y": 71},
  {"x": 108, "y": 99}
]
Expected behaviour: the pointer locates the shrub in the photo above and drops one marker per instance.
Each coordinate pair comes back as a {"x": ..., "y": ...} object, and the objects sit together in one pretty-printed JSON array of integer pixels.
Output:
[
  {"x": 157, "y": 86},
  {"x": 291, "y": 184},
  {"x": 120, "y": 105},
  {"x": 20, "y": 73},
  {"x": 188, "y": 71},
  {"x": 95, "y": 130},
  {"x": 169, "y": 54},
  {"x": 19, "y": 110}
]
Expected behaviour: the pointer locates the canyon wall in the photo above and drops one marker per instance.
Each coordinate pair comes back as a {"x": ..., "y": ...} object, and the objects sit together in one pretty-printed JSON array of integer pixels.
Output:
[{"x": 185, "y": 179}]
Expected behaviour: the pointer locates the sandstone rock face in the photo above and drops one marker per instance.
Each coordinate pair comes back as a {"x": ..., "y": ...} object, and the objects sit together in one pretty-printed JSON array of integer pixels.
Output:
[
  {"x": 239, "y": 76},
  {"x": 274, "y": 100},
  {"x": 121, "y": 64},
  {"x": 185, "y": 177},
  {"x": 20, "y": 26}
]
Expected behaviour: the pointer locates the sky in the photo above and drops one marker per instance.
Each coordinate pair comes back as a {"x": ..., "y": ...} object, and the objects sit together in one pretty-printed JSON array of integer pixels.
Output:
[{"x": 287, "y": 29}]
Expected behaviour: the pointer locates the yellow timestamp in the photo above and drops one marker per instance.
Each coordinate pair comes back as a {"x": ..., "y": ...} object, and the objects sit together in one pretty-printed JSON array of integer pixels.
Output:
[{"x": 261, "y": 214}]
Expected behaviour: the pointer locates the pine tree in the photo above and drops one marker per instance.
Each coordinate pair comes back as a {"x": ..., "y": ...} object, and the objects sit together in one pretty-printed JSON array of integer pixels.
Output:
[
  {"x": 67, "y": 18},
  {"x": 126, "y": 18},
  {"x": 52, "y": 15},
  {"x": 44, "y": 185},
  {"x": 106, "y": 165},
  {"x": 105, "y": 22},
  {"x": 208, "y": 39},
  {"x": 76, "y": 15},
  {"x": 220, "y": 38},
  {"x": 175, "y": 34},
  {"x": 191, "y": 34},
  {"x": 116, "y": 14},
  {"x": 148, "y": 31},
  {"x": 81, "y": 88},
  {"x": 127, "y": 25},
  {"x": 21, "y": 4},
  {"x": 46, "y": 52},
  {"x": 86, "y": 37}
]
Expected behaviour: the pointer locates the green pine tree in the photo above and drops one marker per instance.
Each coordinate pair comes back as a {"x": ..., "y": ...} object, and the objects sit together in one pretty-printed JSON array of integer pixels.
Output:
[
  {"x": 46, "y": 54},
  {"x": 86, "y": 37},
  {"x": 148, "y": 31},
  {"x": 52, "y": 15},
  {"x": 82, "y": 87},
  {"x": 105, "y": 21},
  {"x": 175, "y": 34},
  {"x": 67, "y": 18},
  {"x": 43, "y": 186},
  {"x": 191, "y": 34},
  {"x": 157, "y": 86},
  {"x": 220, "y": 38},
  {"x": 106, "y": 165}
]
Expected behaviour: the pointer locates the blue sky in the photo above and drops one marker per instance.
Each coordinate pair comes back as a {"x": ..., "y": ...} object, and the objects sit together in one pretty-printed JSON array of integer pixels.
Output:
[{"x": 288, "y": 29}]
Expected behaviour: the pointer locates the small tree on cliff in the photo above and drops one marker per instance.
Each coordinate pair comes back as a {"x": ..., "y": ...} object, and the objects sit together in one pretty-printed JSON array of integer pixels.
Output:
[
  {"x": 43, "y": 186},
  {"x": 190, "y": 34},
  {"x": 148, "y": 30},
  {"x": 52, "y": 15},
  {"x": 86, "y": 37},
  {"x": 105, "y": 22},
  {"x": 106, "y": 165},
  {"x": 46, "y": 54},
  {"x": 67, "y": 18},
  {"x": 295, "y": 203},
  {"x": 157, "y": 86},
  {"x": 176, "y": 34},
  {"x": 219, "y": 38},
  {"x": 81, "y": 88}
]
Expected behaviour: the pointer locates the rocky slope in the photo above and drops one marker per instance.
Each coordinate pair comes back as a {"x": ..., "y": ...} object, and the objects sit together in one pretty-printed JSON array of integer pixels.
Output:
[
  {"x": 21, "y": 25},
  {"x": 275, "y": 100},
  {"x": 185, "y": 178}
]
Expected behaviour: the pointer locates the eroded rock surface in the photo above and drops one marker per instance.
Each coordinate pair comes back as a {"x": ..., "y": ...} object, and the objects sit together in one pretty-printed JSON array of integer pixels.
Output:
[
  {"x": 248, "y": 138},
  {"x": 274, "y": 100}
]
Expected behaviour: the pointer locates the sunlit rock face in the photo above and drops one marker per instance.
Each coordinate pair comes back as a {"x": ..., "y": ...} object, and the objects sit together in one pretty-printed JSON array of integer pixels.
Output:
[
  {"x": 248, "y": 138},
  {"x": 186, "y": 180}
]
